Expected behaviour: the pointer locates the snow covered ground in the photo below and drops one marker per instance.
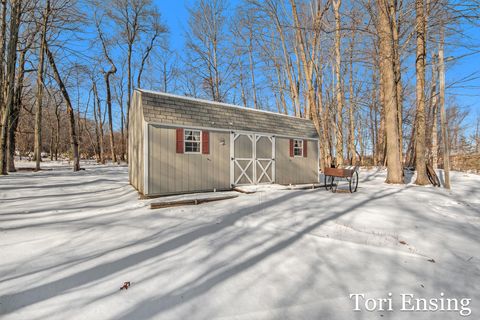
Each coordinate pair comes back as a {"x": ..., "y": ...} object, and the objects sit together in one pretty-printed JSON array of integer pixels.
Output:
[{"x": 68, "y": 241}]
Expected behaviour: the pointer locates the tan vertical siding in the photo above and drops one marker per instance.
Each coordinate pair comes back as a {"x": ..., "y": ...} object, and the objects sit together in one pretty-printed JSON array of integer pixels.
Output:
[
  {"x": 135, "y": 143},
  {"x": 171, "y": 172},
  {"x": 295, "y": 170}
]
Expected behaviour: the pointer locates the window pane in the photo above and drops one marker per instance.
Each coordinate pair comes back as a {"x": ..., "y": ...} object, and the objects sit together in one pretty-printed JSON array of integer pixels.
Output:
[
  {"x": 196, "y": 147},
  {"x": 298, "y": 147},
  {"x": 192, "y": 146},
  {"x": 196, "y": 135}
]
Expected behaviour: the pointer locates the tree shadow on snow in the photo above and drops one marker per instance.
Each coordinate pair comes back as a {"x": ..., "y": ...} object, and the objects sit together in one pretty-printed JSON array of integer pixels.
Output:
[{"x": 186, "y": 292}]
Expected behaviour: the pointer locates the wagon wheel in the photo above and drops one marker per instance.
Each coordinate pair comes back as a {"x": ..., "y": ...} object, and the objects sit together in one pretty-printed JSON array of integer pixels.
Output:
[
  {"x": 335, "y": 185},
  {"x": 329, "y": 182},
  {"x": 353, "y": 182}
]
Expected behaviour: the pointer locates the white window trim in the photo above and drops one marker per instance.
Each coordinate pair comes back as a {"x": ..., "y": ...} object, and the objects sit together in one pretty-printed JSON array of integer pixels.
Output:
[
  {"x": 300, "y": 155},
  {"x": 185, "y": 142}
]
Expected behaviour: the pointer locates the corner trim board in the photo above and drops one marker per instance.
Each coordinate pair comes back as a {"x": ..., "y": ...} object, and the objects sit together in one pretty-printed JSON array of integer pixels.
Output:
[
  {"x": 146, "y": 154},
  {"x": 318, "y": 161}
]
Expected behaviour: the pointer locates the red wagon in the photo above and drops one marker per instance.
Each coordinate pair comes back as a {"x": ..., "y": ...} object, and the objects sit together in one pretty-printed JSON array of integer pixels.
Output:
[{"x": 334, "y": 175}]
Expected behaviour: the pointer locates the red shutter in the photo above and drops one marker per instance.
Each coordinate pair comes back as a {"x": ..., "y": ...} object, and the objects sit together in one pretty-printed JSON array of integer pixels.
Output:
[
  {"x": 205, "y": 142},
  {"x": 291, "y": 147},
  {"x": 180, "y": 138},
  {"x": 305, "y": 144}
]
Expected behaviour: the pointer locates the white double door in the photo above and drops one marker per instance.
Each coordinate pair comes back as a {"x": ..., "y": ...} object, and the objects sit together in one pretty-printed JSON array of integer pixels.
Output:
[{"x": 252, "y": 158}]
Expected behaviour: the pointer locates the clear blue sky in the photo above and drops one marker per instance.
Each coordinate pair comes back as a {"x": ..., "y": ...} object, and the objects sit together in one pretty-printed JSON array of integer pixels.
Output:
[{"x": 175, "y": 15}]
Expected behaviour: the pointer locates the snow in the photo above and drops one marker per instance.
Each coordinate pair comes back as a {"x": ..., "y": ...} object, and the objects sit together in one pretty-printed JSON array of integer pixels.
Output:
[{"x": 68, "y": 242}]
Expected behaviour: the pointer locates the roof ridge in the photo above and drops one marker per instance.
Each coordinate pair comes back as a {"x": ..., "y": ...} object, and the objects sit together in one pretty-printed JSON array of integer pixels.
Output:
[{"x": 229, "y": 105}]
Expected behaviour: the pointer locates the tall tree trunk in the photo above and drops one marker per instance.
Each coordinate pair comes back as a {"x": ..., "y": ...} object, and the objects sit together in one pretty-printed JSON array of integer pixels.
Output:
[
  {"x": 252, "y": 72},
  {"x": 57, "y": 130},
  {"x": 297, "y": 81},
  {"x": 13, "y": 125},
  {"x": 351, "y": 121},
  {"x": 122, "y": 132},
  {"x": 373, "y": 117},
  {"x": 477, "y": 136},
  {"x": 242, "y": 84},
  {"x": 434, "y": 116},
  {"x": 70, "y": 111},
  {"x": 52, "y": 141},
  {"x": 39, "y": 97},
  {"x": 294, "y": 95},
  {"x": 129, "y": 90},
  {"x": 410, "y": 154},
  {"x": 387, "y": 75},
  {"x": 361, "y": 141},
  {"x": 338, "y": 85},
  {"x": 14, "y": 118},
  {"x": 398, "y": 72},
  {"x": 3, "y": 36},
  {"x": 15, "y": 16},
  {"x": 109, "y": 111},
  {"x": 321, "y": 119},
  {"x": 217, "y": 96},
  {"x": 443, "y": 118},
  {"x": 97, "y": 133},
  {"x": 100, "y": 123},
  {"x": 309, "y": 62},
  {"x": 381, "y": 133},
  {"x": 420, "y": 137},
  {"x": 142, "y": 64},
  {"x": 281, "y": 87}
]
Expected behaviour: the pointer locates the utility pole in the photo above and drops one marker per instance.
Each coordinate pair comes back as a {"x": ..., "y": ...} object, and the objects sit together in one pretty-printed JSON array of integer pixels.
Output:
[{"x": 443, "y": 118}]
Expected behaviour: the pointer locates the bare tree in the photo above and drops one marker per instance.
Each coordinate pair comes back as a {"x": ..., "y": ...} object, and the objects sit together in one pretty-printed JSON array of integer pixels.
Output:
[
  {"x": 107, "y": 74},
  {"x": 338, "y": 86},
  {"x": 15, "y": 16},
  {"x": 206, "y": 45},
  {"x": 38, "y": 111},
  {"x": 156, "y": 31},
  {"x": 3, "y": 36},
  {"x": 99, "y": 121},
  {"x": 420, "y": 127},
  {"x": 28, "y": 40},
  {"x": 433, "y": 118},
  {"x": 388, "y": 86},
  {"x": 351, "y": 98},
  {"x": 272, "y": 9},
  {"x": 70, "y": 111},
  {"x": 132, "y": 18},
  {"x": 443, "y": 118},
  {"x": 243, "y": 29},
  {"x": 119, "y": 96}
]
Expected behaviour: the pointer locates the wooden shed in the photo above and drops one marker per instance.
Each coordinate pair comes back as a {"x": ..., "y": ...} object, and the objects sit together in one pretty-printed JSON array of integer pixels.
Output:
[{"x": 180, "y": 145}]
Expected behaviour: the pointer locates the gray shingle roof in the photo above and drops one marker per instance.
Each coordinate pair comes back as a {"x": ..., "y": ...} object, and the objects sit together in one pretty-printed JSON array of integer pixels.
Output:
[{"x": 177, "y": 110}]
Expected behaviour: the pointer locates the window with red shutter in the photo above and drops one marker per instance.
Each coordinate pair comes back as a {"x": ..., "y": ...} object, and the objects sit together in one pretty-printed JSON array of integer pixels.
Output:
[
  {"x": 291, "y": 148},
  {"x": 297, "y": 148},
  {"x": 193, "y": 141},
  {"x": 305, "y": 144}
]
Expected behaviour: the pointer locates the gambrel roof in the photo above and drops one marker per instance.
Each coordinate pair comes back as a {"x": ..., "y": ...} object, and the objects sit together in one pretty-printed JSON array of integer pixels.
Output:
[{"x": 164, "y": 108}]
